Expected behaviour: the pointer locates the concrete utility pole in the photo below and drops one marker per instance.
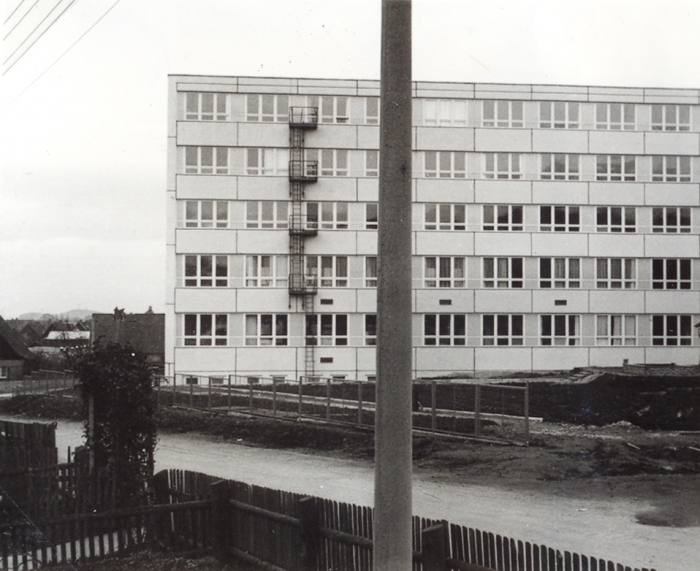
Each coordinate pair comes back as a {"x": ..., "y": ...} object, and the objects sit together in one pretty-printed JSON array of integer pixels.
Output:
[{"x": 393, "y": 447}]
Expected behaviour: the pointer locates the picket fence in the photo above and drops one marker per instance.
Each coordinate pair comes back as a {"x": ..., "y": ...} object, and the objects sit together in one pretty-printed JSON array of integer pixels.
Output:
[{"x": 277, "y": 530}]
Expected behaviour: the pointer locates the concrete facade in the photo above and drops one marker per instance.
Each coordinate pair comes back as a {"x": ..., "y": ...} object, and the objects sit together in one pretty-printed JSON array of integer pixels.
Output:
[{"x": 553, "y": 227}]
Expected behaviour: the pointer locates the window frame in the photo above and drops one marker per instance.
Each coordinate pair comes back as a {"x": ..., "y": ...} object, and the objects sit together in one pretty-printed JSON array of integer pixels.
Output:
[
  {"x": 613, "y": 330},
  {"x": 218, "y": 328},
  {"x": 270, "y": 329},
  {"x": 616, "y": 168},
  {"x": 665, "y": 333},
  {"x": 502, "y": 166},
  {"x": 558, "y": 322},
  {"x": 607, "y": 218},
  {"x": 327, "y": 329},
  {"x": 337, "y": 266},
  {"x": 217, "y": 166},
  {"x": 330, "y": 108},
  {"x": 502, "y": 114},
  {"x": 671, "y": 168},
  {"x": 371, "y": 274},
  {"x": 448, "y": 329},
  {"x": 564, "y": 273},
  {"x": 372, "y": 163},
  {"x": 273, "y": 274},
  {"x": 501, "y": 329},
  {"x": 550, "y": 164},
  {"x": 446, "y": 113},
  {"x": 679, "y": 277},
  {"x": 370, "y": 329},
  {"x": 558, "y": 115},
  {"x": 616, "y": 273},
  {"x": 216, "y": 114},
  {"x": 269, "y": 214},
  {"x": 555, "y": 211},
  {"x": 446, "y": 270},
  {"x": 612, "y": 123},
  {"x": 278, "y": 114},
  {"x": 668, "y": 117},
  {"x": 502, "y": 272},
  {"x": 447, "y": 216},
  {"x": 667, "y": 215},
  {"x": 268, "y": 161},
  {"x": 198, "y": 221},
  {"x": 205, "y": 270},
  {"x": 371, "y": 215},
  {"x": 493, "y": 214},
  {"x": 441, "y": 169},
  {"x": 371, "y": 118}
]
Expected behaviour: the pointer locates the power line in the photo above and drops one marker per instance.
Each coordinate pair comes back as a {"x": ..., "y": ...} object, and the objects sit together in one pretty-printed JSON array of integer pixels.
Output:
[
  {"x": 39, "y": 37},
  {"x": 13, "y": 12},
  {"x": 21, "y": 19},
  {"x": 61, "y": 56}
]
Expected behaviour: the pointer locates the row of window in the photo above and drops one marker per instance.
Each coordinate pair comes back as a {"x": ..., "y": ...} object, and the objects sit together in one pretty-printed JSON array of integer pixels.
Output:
[
  {"x": 203, "y": 270},
  {"x": 438, "y": 164},
  {"x": 446, "y": 329},
  {"x": 269, "y": 108},
  {"x": 501, "y": 218}
]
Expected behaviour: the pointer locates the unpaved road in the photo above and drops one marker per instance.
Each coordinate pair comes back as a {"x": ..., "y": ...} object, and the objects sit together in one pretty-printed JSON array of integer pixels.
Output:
[{"x": 591, "y": 518}]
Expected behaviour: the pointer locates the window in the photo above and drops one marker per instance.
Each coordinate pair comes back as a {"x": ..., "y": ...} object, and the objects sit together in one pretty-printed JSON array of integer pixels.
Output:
[
  {"x": 615, "y": 116},
  {"x": 266, "y": 329},
  {"x": 4, "y": 372},
  {"x": 502, "y": 165},
  {"x": 332, "y": 109},
  {"x": 503, "y": 272},
  {"x": 444, "y": 329},
  {"x": 559, "y": 219},
  {"x": 670, "y": 169},
  {"x": 371, "y": 329},
  {"x": 503, "y": 217},
  {"x": 559, "y": 115},
  {"x": 616, "y": 273},
  {"x": 445, "y": 112},
  {"x": 670, "y": 117},
  {"x": 206, "y": 160},
  {"x": 371, "y": 216},
  {"x": 267, "y": 108},
  {"x": 444, "y": 217},
  {"x": 560, "y": 272},
  {"x": 206, "y": 271},
  {"x": 266, "y": 271},
  {"x": 206, "y": 107},
  {"x": 334, "y": 270},
  {"x": 206, "y": 214},
  {"x": 616, "y": 219},
  {"x": 326, "y": 329},
  {"x": 671, "y": 273},
  {"x": 671, "y": 330},
  {"x": 372, "y": 110},
  {"x": 370, "y": 271},
  {"x": 267, "y": 162},
  {"x": 616, "y": 330},
  {"x": 266, "y": 214},
  {"x": 333, "y": 215},
  {"x": 670, "y": 219},
  {"x": 205, "y": 329},
  {"x": 443, "y": 272},
  {"x": 502, "y": 329},
  {"x": 445, "y": 164},
  {"x": 502, "y": 114},
  {"x": 333, "y": 162},
  {"x": 616, "y": 167},
  {"x": 371, "y": 163},
  {"x": 559, "y": 167},
  {"x": 559, "y": 330}
]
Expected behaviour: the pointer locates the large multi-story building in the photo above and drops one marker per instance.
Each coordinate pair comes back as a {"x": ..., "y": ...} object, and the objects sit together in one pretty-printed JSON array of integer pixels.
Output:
[{"x": 553, "y": 226}]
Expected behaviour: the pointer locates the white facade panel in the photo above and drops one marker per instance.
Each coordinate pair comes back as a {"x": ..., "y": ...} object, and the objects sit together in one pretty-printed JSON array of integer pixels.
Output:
[
  {"x": 671, "y": 246},
  {"x": 452, "y": 190},
  {"x": 207, "y": 187},
  {"x": 262, "y": 300},
  {"x": 503, "y": 359},
  {"x": 503, "y": 140},
  {"x": 608, "y": 301},
  {"x": 210, "y": 133},
  {"x": 678, "y": 355},
  {"x": 444, "y": 139},
  {"x": 669, "y": 143},
  {"x": 571, "y": 301},
  {"x": 672, "y": 301},
  {"x": 209, "y": 300},
  {"x": 554, "y": 192},
  {"x": 502, "y": 244},
  {"x": 559, "y": 141},
  {"x": 559, "y": 244},
  {"x": 678, "y": 194},
  {"x": 433, "y": 300},
  {"x": 605, "y": 142},
  {"x": 444, "y": 243},
  {"x": 503, "y": 192},
  {"x": 603, "y": 245},
  {"x": 443, "y": 360},
  {"x": 563, "y": 358},
  {"x": 503, "y": 301},
  {"x": 263, "y": 188},
  {"x": 205, "y": 360},
  {"x": 616, "y": 193},
  {"x": 190, "y": 241}
]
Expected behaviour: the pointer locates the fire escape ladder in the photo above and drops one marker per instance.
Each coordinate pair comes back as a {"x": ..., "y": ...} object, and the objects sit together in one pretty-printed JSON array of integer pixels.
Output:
[{"x": 301, "y": 172}]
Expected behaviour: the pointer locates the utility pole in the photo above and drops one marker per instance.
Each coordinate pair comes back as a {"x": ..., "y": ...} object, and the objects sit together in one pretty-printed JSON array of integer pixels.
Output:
[{"x": 393, "y": 448}]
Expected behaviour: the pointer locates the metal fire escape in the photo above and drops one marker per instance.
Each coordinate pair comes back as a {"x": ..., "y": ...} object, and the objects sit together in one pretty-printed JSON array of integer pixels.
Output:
[{"x": 301, "y": 173}]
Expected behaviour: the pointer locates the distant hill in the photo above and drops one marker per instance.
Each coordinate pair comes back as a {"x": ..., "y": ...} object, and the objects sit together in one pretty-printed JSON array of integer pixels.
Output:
[{"x": 72, "y": 315}]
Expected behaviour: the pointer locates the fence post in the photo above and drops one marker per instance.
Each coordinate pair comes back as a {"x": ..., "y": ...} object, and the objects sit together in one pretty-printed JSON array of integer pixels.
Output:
[
  {"x": 192, "y": 392},
  {"x": 477, "y": 410},
  {"x": 301, "y": 393},
  {"x": 221, "y": 494},
  {"x": 161, "y": 495},
  {"x": 174, "y": 389},
  {"x": 274, "y": 397},
  {"x": 433, "y": 405},
  {"x": 228, "y": 396},
  {"x": 435, "y": 547},
  {"x": 359, "y": 403},
  {"x": 309, "y": 533},
  {"x": 527, "y": 412},
  {"x": 328, "y": 399},
  {"x": 209, "y": 395}
]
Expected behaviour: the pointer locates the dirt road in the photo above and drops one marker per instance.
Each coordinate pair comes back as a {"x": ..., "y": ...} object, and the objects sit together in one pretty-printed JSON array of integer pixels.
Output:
[{"x": 599, "y": 517}]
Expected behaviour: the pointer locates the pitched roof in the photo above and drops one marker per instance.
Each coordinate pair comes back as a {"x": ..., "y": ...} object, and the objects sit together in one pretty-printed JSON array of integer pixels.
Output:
[
  {"x": 14, "y": 341},
  {"x": 145, "y": 332}
]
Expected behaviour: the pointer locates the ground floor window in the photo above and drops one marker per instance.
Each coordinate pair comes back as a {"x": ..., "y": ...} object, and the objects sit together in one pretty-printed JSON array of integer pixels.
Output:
[
  {"x": 205, "y": 329},
  {"x": 445, "y": 329},
  {"x": 616, "y": 330},
  {"x": 671, "y": 330},
  {"x": 502, "y": 329},
  {"x": 327, "y": 329},
  {"x": 560, "y": 330},
  {"x": 266, "y": 329}
]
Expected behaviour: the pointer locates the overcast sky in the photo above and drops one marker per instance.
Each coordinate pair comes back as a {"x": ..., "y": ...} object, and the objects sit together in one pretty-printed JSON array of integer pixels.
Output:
[{"x": 83, "y": 135}]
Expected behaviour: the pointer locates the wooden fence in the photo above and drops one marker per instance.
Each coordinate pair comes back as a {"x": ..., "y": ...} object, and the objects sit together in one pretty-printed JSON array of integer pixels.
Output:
[
  {"x": 25, "y": 445},
  {"x": 281, "y": 531}
]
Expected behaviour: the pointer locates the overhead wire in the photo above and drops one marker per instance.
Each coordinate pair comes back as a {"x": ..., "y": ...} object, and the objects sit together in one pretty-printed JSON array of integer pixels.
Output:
[
  {"x": 40, "y": 35},
  {"x": 21, "y": 19},
  {"x": 13, "y": 12},
  {"x": 61, "y": 56}
]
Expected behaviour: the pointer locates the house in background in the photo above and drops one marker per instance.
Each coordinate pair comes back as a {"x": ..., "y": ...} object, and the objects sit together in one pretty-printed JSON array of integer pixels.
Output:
[
  {"x": 15, "y": 356},
  {"x": 145, "y": 332}
]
